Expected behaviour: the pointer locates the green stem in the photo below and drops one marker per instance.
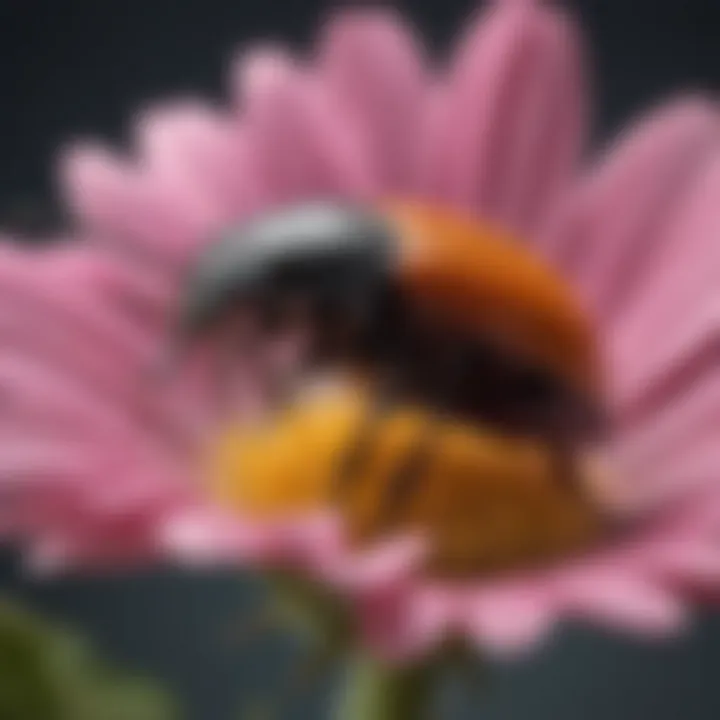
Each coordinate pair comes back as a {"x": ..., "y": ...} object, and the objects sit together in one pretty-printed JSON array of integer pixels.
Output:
[
  {"x": 377, "y": 691},
  {"x": 374, "y": 690}
]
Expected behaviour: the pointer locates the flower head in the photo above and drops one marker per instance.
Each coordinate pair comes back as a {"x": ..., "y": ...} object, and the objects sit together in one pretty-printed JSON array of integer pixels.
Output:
[{"x": 103, "y": 462}]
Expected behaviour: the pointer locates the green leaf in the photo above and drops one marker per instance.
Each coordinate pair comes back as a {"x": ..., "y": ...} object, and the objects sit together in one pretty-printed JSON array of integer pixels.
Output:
[{"x": 47, "y": 673}]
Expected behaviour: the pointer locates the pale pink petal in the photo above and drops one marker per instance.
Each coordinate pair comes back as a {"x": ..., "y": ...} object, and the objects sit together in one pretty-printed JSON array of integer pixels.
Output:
[
  {"x": 119, "y": 201},
  {"x": 209, "y": 536},
  {"x": 625, "y": 204},
  {"x": 512, "y": 131},
  {"x": 689, "y": 469},
  {"x": 146, "y": 295},
  {"x": 88, "y": 314},
  {"x": 123, "y": 541},
  {"x": 623, "y": 602},
  {"x": 668, "y": 337},
  {"x": 301, "y": 144},
  {"x": 507, "y": 620},
  {"x": 45, "y": 390},
  {"x": 674, "y": 446},
  {"x": 406, "y": 621},
  {"x": 694, "y": 562},
  {"x": 314, "y": 540},
  {"x": 686, "y": 353},
  {"x": 96, "y": 326},
  {"x": 374, "y": 68},
  {"x": 201, "y": 157},
  {"x": 394, "y": 560},
  {"x": 33, "y": 463}
]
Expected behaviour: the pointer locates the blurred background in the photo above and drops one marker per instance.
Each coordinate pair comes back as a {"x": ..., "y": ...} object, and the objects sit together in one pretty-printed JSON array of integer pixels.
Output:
[{"x": 79, "y": 67}]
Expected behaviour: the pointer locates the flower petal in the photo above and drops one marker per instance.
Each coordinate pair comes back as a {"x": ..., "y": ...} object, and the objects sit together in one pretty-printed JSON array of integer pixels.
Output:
[
  {"x": 629, "y": 603},
  {"x": 117, "y": 201},
  {"x": 373, "y": 66},
  {"x": 695, "y": 563},
  {"x": 301, "y": 143},
  {"x": 508, "y": 620},
  {"x": 407, "y": 621},
  {"x": 668, "y": 338},
  {"x": 390, "y": 563},
  {"x": 624, "y": 205},
  {"x": 669, "y": 450},
  {"x": 208, "y": 536},
  {"x": 201, "y": 157},
  {"x": 512, "y": 131}
]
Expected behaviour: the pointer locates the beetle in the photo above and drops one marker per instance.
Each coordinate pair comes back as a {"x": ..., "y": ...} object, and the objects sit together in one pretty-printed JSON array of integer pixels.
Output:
[
  {"x": 426, "y": 308},
  {"x": 406, "y": 292}
]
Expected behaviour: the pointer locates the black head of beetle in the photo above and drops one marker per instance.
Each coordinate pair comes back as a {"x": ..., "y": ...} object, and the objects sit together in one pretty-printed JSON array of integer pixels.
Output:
[{"x": 335, "y": 260}]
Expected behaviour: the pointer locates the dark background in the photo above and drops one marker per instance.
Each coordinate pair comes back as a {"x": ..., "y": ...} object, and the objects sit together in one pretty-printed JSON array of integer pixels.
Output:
[{"x": 70, "y": 68}]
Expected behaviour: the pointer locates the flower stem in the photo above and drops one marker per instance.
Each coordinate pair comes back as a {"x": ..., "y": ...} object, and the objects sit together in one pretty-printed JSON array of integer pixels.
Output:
[{"x": 377, "y": 691}]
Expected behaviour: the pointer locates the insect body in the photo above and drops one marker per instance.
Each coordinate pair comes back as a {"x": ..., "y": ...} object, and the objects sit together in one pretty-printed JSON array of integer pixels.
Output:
[{"x": 473, "y": 377}]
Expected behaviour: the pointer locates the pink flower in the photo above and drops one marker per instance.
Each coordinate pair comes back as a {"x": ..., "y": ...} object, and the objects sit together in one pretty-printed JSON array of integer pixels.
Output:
[{"x": 98, "y": 457}]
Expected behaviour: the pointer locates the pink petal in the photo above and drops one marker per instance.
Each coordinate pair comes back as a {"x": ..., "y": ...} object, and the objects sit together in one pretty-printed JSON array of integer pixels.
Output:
[
  {"x": 667, "y": 338},
  {"x": 663, "y": 451},
  {"x": 670, "y": 363},
  {"x": 94, "y": 365},
  {"x": 41, "y": 378},
  {"x": 60, "y": 316},
  {"x": 38, "y": 462},
  {"x": 122, "y": 203},
  {"x": 202, "y": 536},
  {"x": 125, "y": 541},
  {"x": 201, "y": 157},
  {"x": 392, "y": 562},
  {"x": 406, "y": 621},
  {"x": 314, "y": 539},
  {"x": 627, "y": 202},
  {"x": 374, "y": 68},
  {"x": 302, "y": 145},
  {"x": 691, "y": 562},
  {"x": 623, "y": 603},
  {"x": 74, "y": 307},
  {"x": 508, "y": 620},
  {"x": 693, "y": 415},
  {"x": 147, "y": 295},
  {"x": 512, "y": 132}
]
